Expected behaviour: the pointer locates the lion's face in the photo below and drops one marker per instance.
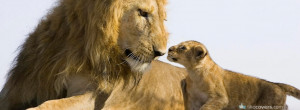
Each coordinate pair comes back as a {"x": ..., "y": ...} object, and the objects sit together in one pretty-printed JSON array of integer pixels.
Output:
[{"x": 142, "y": 35}]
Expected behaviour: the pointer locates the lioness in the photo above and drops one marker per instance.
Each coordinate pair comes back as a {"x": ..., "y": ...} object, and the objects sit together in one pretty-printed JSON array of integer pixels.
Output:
[{"x": 210, "y": 87}]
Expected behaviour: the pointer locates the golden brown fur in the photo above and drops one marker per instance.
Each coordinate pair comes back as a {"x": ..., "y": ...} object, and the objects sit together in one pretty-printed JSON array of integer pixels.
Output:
[
  {"x": 106, "y": 41},
  {"x": 210, "y": 87}
]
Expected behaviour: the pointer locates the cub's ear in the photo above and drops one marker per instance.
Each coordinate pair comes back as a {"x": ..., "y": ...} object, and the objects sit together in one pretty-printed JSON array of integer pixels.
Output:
[{"x": 199, "y": 52}]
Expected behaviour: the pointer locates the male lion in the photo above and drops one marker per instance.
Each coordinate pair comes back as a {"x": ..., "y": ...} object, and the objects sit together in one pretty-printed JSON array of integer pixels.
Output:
[
  {"x": 209, "y": 87},
  {"x": 104, "y": 45}
]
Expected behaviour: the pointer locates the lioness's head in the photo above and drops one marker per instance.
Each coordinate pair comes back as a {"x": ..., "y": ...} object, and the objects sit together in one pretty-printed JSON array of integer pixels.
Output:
[
  {"x": 187, "y": 53},
  {"x": 142, "y": 35}
]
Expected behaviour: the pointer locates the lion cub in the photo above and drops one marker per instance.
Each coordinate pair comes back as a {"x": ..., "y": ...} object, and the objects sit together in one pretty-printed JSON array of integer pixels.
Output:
[{"x": 209, "y": 87}]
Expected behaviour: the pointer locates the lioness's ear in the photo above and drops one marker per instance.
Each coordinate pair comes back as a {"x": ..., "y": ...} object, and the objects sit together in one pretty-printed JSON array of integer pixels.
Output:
[{"x": 199, "y": 52}]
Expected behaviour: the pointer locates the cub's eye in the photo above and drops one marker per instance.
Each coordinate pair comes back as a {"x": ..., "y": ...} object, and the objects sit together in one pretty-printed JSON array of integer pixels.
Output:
[
  {"x": 182, "y": 47},
  {"x": 143, "y": 13},
  {"x": 199, "y": 53}
]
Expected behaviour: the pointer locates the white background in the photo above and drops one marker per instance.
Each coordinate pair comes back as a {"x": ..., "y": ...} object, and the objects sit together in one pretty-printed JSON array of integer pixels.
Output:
[{"x": 260, "y": 38}]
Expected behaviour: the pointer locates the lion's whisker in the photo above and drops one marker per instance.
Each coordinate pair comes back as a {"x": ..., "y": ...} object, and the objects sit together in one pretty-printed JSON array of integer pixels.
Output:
[{"x": 122, "y": 62}]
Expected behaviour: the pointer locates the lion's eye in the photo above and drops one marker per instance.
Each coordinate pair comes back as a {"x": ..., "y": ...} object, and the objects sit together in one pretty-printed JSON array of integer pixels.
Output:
[
  {"x": 182, "y": 47},
  {"x": 143, "y": 13}
]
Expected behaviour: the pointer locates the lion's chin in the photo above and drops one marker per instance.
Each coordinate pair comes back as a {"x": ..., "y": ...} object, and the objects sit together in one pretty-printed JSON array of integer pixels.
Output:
[{"x": 137, "y": 66}]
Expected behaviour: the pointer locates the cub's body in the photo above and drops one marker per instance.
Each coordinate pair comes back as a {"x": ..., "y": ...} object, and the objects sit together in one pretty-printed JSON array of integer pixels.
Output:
[{"x": 211, "y": 87}]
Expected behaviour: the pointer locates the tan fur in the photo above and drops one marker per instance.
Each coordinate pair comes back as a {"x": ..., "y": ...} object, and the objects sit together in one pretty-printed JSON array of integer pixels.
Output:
[
  {"x": 161, "y": 88},
  {"x": 210, "y": 87},
  {"x": 85, "y": 38},
  {"x": 80, "y": 102}
]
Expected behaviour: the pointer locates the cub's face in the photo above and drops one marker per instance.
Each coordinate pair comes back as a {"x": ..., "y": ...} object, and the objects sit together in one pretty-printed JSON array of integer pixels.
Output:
[
  {"x": 187, "y": 53},
  {"x": 142, "y": 34}
]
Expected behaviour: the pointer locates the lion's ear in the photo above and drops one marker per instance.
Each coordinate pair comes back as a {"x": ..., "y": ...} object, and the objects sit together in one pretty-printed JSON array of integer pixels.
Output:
[{"x": 199, "y": 52}]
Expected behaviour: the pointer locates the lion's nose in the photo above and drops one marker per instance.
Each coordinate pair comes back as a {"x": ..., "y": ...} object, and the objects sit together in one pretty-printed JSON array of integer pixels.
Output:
[{"x": 158, "y": 53}]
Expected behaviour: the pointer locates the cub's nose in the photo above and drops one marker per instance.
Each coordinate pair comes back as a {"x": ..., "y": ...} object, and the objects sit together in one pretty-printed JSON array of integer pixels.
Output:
[
  {"x": 171, "y": 49},
  {"x": 158, "y": 53}
]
